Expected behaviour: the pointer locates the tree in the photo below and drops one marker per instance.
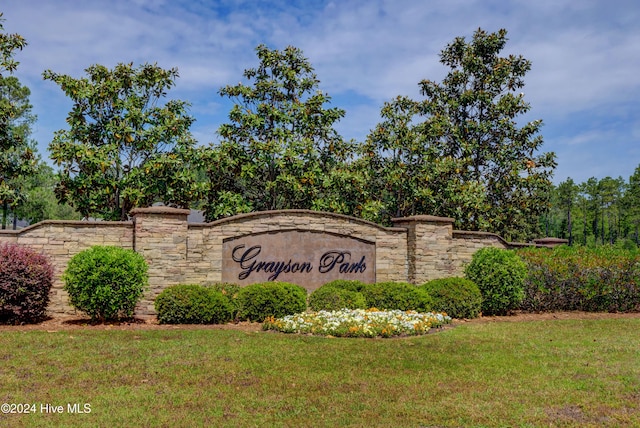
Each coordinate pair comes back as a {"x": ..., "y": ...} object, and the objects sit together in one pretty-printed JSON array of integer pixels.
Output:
[
  {"x": 632, "y": 203},
  {"x": 596, "y": 212},
  {"x": 40, "y": 199},
  {"x": 611, "y": 191},
  {"x": 9, "y": 43},
  {"x": 279, "y": 147},
  {"x": 123, "y": 149},
  {"x": 567, "y": 193},
  {"x": 17, "y": 159},
  {"x": 487, "y": 173},
  {"x": 407, "y": 174}
]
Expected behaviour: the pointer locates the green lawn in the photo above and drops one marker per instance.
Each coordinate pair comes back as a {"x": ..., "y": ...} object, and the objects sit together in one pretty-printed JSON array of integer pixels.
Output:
[{"x": 539, "y": 373}]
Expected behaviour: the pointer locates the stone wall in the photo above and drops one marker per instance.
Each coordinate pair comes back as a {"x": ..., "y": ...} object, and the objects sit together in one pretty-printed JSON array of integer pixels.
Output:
[
  {"x": 61, "y": 240},
  {"x": 416, "y": 249},
  {"x": 206, "y": 240}
]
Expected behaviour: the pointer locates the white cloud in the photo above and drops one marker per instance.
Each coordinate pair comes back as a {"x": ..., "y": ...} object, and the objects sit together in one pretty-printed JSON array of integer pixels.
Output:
[{"x": 584, "y": 54}]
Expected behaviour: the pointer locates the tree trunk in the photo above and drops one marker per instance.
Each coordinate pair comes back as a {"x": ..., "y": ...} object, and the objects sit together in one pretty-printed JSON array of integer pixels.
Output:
[
  {"x": 5, "y": 208},
  {"x": 569, "y": 226}
]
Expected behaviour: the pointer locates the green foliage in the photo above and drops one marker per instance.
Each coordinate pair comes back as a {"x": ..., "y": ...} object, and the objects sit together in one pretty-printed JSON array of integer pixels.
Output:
[
  {"x": 17, "y": 152},
  {"x": 346, "y": 284},
  {"x": 460, "y": 152},
  {"x": 604, "y": 278},
  {"x": 397, "y": 295},
  {"x": 9, "y": 43},
  {"x": 123, "y": 149},
  {"x": 25, "y": 280},
  {"x": 457, "y": 297},
  {"x": 500, "y": 275},
  {"x": 226, "y": 288},
  {"x": 406, "y": 171},
  {"x": 257, "y": 301},
  {"x": 40, "y": 199},
  {"x": 279, "y": 149},
  {"x": 596, "y": 212},
  {"x": 332, "y": 297},
  {"x": 193, "y": 304},
  {"x": 229, "y": 290},
  {"x": 106, "y": 282}
]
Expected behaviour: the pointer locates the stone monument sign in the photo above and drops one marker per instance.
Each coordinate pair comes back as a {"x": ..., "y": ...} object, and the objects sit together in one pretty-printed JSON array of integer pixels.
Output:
[{"x": 304, "y": 257}]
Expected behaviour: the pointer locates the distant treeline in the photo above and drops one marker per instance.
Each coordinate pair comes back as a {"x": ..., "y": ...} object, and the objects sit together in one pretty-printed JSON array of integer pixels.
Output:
[{"x": 596, "y": 212}]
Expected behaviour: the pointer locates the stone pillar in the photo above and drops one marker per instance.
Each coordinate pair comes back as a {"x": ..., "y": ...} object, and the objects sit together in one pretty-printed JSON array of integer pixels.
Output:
[
  {"x": 161, "y": 238},
  {"x": 429, "y": 240}
]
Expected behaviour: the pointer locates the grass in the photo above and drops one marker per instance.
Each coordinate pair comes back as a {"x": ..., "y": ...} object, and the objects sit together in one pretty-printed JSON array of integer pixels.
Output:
[{"x": 529, "y": 374}]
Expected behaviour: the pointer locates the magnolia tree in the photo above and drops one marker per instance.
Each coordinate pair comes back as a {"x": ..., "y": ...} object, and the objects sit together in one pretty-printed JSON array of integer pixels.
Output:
[
  {"x": 460, "y": 152},
  {"x": 279, "y": 149},
  {"x": 123, "y": 148}
]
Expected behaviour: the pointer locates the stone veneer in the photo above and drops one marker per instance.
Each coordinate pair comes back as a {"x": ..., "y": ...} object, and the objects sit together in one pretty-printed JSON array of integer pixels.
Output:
[{"x": 416, "y": 249}]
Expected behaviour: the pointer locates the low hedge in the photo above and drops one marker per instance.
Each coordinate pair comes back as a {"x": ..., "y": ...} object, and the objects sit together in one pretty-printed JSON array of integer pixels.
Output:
[
  {"x": 255, "y": 302},
  {"x": 601, "y": 279},
  {"x": 346, "y": 284},
  {"x": 25, "y": 281},
  {"x": 457, "y": 297},
  {"x": 228, "y": 289},
  {"x": 397, "y": 295},
  {"x": 331, "y": 297},
  {"x": 193, "y": 304}
]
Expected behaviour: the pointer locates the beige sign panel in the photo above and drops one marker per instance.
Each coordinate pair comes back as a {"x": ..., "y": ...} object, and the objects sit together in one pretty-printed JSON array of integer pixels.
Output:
[{"x": 307, "y": 258}]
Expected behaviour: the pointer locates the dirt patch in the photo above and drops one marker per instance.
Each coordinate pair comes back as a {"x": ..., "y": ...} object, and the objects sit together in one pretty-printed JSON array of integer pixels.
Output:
[{"x": 75, "y": 323}]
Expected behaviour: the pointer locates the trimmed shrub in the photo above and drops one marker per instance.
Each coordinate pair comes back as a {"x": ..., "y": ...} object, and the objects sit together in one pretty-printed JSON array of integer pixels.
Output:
[
  {"x": 332, "y": 298},
  {"x": 397, "y": 295},
  {"x": 25, "y": 281},
  {"x": 193, "y": 304},
  {"x": 226, "y": 288},
  {"x": 605, "y": 279},
  {"x": 229, "y": 290},
  {"x": 499, "y": 274},
  {"x": 106, "y": 282},
  {"x": 457, "y": 297},
  {"x": 258, "y": 301},
  {"x": 346, "y": 284}
]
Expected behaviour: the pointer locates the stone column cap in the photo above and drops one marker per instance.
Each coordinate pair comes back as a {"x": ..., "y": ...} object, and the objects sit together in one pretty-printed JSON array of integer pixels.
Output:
[{"x": 162, "y": 210}]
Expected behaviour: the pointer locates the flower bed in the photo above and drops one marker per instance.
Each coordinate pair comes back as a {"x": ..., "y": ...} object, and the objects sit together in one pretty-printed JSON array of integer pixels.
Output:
[{"x": 358, "y": 323}]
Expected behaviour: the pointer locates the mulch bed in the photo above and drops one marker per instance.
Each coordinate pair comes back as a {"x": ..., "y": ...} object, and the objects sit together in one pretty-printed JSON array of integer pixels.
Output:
[{"x": 75, "y": 323}]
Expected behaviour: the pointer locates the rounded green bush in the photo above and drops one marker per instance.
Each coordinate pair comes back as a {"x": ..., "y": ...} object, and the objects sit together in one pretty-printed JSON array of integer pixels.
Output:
[
  {"x": 332, "y": 298},
  {"x": 25, "y": 281},
  {"x": 457, "y": 297},
  {"x": 258, "y": 301},
  {"x": 106, "y": 282},
  {"x": 397, "y": 295},
  {"x": 346, "y": 284},
  {"x": 229, "y": 290},
  {"x": 193, "y": 304},
  {"x": 500, "y": 275}
]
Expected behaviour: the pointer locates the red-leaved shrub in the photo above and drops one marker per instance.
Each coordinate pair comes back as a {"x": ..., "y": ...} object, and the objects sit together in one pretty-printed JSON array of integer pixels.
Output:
[{"x": 25, "y": 281}]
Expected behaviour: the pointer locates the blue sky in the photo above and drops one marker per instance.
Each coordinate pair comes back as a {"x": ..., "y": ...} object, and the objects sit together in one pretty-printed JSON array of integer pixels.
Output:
[{"x": 584, "y": 83}]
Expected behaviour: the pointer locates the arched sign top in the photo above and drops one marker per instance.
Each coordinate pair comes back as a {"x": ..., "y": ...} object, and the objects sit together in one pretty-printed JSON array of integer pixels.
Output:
[{"x": 276, "y": 213}]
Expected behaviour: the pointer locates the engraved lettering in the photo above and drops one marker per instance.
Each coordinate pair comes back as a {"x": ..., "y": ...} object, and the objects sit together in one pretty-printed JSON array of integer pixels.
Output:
[
  {"x": 275, "y": 268},
  {"x": 330, "y": 259}
]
